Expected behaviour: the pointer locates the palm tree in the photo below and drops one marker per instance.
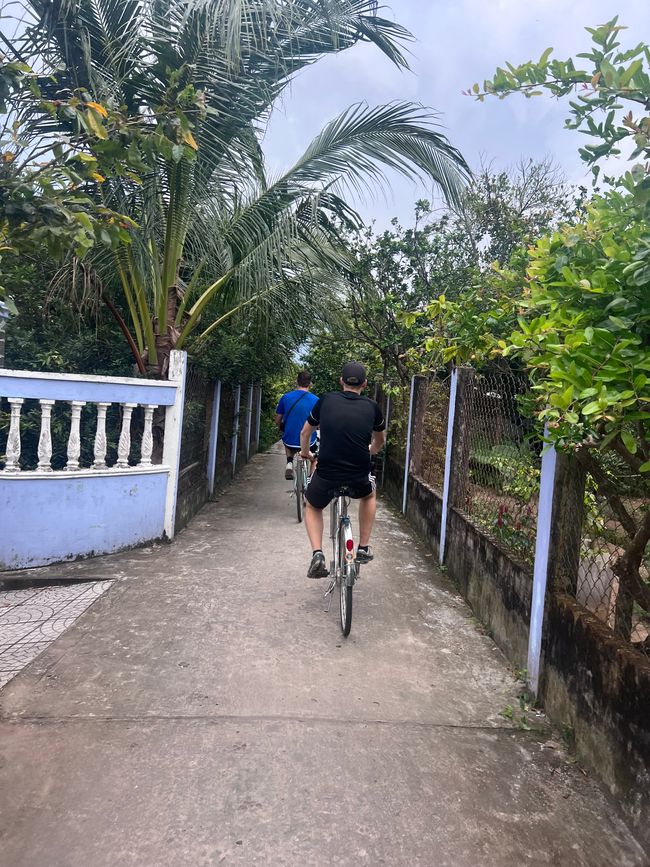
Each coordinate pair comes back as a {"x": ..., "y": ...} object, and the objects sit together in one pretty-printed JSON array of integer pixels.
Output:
[{"x": 203, "y": 75}]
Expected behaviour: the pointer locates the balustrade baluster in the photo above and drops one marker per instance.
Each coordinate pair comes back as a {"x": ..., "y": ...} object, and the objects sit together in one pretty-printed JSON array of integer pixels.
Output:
[
  {"x": 124, "y": 444},
  {"x": 45, "y": 438},
  {"x": 147, "y": 435},
  {"x": 12, "y": 464},
  {"x": 74, "y": 440},
  {"x": 100, "y": 437}
]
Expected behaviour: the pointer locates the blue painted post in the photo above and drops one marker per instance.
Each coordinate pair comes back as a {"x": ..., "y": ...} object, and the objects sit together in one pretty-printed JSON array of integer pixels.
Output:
[
  {"x": 235, "y": 429},
  {"x": 450, "y": 440},
  {"x": 540, "y": 573},
  {"x": 214, "y": 437},
  {"x": 407, "y": 457}
]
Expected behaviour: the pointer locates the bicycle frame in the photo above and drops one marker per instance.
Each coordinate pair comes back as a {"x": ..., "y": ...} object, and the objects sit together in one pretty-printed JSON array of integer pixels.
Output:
[{"x": 301, "y": 472}]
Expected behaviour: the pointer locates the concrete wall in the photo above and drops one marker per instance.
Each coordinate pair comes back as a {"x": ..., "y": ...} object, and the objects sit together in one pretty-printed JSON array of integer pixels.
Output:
[
  {"x": 192, "y": 494},
  {"x": 47, "y": 520},
  {"x": 598, "y": 687},
  {"x": 497, "y": 587}
]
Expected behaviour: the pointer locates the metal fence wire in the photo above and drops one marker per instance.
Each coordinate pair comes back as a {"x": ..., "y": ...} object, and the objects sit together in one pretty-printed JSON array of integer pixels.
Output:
[
  {"x": 596, "y": 567},
  {"x": 196, "y": 415},
  {"x": 398, "y": 422},
  {"x": 434, "y": 434},
  {"x": 224, "y": 441},
  {"x": 502, "y": 491}
]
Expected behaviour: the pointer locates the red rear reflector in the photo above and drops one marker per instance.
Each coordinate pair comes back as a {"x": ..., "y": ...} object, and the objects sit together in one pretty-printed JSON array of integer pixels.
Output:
[{"x": 349, "y": 544}]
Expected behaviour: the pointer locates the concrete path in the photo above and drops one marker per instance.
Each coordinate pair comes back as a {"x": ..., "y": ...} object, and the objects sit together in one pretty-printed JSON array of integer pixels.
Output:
[{"x": 206, "y": 710}]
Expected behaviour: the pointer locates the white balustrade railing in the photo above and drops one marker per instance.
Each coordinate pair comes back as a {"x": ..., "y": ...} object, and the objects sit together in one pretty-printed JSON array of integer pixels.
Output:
[
  {"x": 13, "y": 440},
  {"x": 45, "y": 448},
  {"x": 76, "y": 392}
]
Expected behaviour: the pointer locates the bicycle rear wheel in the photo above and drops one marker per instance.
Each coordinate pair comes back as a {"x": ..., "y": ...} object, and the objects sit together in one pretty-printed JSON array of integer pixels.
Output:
[
  {"x": 346, "y": 605},
  {"x": 346, "y": 577}
]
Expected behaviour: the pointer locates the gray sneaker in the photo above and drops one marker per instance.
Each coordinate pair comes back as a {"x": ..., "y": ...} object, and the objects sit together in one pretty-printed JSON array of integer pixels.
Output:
[
  {"x": 288, "y": 473},
  {"x": 317, "y": 567},
  {"x": 365, "y": 556}
]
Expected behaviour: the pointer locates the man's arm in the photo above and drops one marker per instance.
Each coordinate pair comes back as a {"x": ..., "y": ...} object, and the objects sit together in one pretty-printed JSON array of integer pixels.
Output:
[
  {"x": 377, "y": 442},
  {"x": 305, "y": 438},
  {"x": 279, "y": 413}
]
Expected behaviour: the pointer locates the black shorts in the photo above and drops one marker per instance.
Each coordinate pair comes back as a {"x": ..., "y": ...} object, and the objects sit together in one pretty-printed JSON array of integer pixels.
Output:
[
  {"x": 321, "y": 492},
  {"x": 294, "y": 451}
]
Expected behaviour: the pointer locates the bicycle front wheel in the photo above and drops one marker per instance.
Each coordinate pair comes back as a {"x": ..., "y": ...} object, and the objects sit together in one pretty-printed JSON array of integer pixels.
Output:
[{"x": 299, "y": 491}]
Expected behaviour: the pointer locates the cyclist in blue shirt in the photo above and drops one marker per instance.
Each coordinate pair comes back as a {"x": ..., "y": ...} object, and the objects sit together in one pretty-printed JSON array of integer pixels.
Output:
[{"x": 291, "y": 415}]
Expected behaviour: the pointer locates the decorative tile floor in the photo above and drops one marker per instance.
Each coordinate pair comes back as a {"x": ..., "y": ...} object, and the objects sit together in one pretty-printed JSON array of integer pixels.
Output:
[{"x": 31, "y": 619}]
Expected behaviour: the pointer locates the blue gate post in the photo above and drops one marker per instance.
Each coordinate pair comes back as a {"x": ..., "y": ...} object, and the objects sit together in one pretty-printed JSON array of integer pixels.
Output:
[{"x": 214, "y": 437}]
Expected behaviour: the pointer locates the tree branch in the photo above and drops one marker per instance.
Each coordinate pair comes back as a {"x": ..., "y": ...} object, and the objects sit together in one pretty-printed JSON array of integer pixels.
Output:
[
  {"x": 628, "y": 565},
  {"x": 607, "y": 490},
  {"x": 125, "y": 331},
  {"x": 633, "y": 460}
]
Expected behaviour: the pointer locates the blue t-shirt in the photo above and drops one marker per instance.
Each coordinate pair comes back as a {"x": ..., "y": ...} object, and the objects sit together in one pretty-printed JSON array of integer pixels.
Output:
[{"x": 297, "y": 416}]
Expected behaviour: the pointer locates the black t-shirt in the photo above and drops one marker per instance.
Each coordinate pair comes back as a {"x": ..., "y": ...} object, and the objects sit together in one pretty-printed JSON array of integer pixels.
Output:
[{"x": 346, "y": 420}]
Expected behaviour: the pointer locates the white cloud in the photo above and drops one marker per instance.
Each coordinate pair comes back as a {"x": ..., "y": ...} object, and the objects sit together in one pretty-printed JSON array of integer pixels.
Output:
[{"x": 458, "y": 43}]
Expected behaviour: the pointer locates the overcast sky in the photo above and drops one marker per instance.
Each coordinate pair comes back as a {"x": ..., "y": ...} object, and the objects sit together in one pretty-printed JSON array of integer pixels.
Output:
[{"x": 458, "y": 43}]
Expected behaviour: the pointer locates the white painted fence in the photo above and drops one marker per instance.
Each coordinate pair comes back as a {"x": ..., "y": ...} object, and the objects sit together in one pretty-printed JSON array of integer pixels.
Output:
[{"x": 49, "y": 515}]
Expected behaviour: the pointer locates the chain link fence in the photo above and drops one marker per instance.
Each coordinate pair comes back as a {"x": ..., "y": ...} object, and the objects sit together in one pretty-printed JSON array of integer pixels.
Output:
[
  {"x": 502, "y": 491},
  {"x": 398, "y": 421},
  {"x": 600, "y": 561},
  {"x": 224, "y": 438},
  {"x": 196, "y": 420},
  {"x": 434, "y": 434}
]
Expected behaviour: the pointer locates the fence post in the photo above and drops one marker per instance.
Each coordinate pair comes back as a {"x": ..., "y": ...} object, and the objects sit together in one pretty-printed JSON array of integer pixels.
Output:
[
  {"x": 235, "y": 429},
  {"x": 4, "y": 315},
  {"x": 540, "y": 569},
  {"x": 214, "y": 437},
  {"x": 407, "y": 456},
  {"x": 445, "y": 489},
  {"x": 557, "y": 543},
  {"x": 173, "y": 431},
  {"x": 567, "y": 521},
  {"x": 259, "y": 417},
  {"x": 249, "y": 420}
]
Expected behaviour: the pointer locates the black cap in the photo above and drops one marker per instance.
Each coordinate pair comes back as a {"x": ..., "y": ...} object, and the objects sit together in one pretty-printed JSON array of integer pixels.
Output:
[{"x": 354, "y": 373}]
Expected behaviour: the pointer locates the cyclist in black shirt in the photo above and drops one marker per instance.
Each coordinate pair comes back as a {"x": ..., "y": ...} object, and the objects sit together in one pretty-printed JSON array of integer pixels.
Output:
[{"x": 352, "y": 429}]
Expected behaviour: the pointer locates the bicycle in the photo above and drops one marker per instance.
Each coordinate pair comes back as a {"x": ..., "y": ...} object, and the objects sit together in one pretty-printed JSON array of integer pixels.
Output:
[
  {"x": 344, "y": 569},
  {"x": 301, "y": 469}
]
